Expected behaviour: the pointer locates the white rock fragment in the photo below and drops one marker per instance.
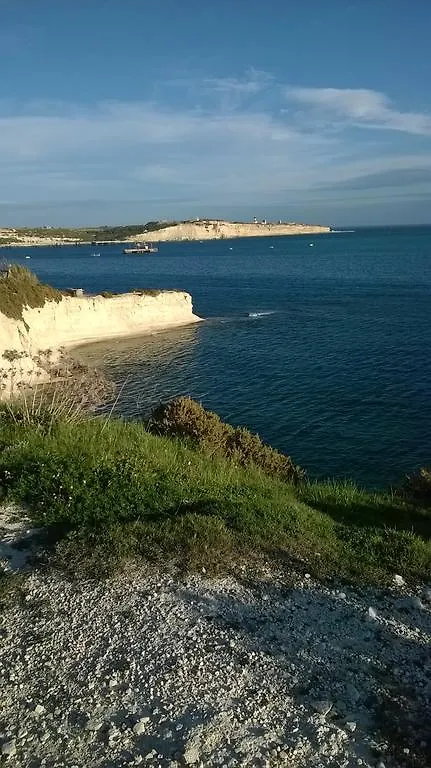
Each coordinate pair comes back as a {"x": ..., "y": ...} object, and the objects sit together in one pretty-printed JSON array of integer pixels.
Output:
[
  {"x": 141, "y": 726},
  {"x": 39, "y": 709},
  {"x": 191, "y": 755},
  {"x": 399, "y": 581},
  {"x": 94, "y": 725},
  {"x": 322, "y": 706},
  {"x": 371, "y": 614},
  {"x": 9, "y": 748},
  {"x": 351, "y": 726}
]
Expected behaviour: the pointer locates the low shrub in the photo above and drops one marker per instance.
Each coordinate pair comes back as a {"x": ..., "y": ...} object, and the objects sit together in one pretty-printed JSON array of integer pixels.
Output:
[
  {"x": 245, "y": 448},
  {"x": 147, "y": 291},
  {"x": 184, "y": 418}
]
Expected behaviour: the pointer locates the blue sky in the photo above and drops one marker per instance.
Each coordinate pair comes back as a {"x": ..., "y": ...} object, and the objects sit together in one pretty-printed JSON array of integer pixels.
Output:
[{"x": 125, "y": 111}]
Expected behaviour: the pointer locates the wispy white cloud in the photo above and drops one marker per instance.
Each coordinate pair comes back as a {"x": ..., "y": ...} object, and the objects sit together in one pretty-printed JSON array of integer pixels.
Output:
[
  {"x": 226, "y": 151},
  {"x": 254, "y": 81},
  {"x": 129, "y": 124},
  {"x": 361, "y": 107},
  {"x": 238, "y": 146}
]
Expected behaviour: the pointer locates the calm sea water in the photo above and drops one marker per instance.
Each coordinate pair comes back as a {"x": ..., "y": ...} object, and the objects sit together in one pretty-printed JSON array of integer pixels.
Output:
[{"x": 323, "y": 350}]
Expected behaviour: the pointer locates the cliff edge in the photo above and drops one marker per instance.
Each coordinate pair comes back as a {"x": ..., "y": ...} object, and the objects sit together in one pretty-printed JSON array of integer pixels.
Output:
[
  {"x": 28, "y": 343},
  {"x": 224, "y": 230}
]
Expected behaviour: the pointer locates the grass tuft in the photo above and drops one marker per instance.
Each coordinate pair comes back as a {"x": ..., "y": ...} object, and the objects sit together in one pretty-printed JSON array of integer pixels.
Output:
[{"x": 20, "y": 289}]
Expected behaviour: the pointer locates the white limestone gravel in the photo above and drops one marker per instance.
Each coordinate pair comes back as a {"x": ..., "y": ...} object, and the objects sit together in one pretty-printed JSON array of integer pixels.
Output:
[
  {"x": 160, "y": 670},
  {"x": 163, "y": 670}
]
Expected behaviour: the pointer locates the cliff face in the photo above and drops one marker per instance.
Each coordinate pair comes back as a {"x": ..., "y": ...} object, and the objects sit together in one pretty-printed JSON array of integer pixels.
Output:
[
  {"x": 219, "y": 230},
  {"x": 76, "y": 320}
]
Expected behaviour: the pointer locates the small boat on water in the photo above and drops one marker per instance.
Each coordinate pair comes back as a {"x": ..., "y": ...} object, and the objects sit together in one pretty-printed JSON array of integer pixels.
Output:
[{"x": 142, "y": 248}]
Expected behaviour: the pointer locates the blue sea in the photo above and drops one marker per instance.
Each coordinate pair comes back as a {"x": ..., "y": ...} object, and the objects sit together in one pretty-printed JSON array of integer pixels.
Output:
[{"x": 321, "y": 344}]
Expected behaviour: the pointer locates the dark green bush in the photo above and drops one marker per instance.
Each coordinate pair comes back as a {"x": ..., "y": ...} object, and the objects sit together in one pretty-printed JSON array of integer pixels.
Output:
[
  {"x": 418, "y": 486},
  {"x": 245, "y": 448},
  {"x": 184, "y": 418}
]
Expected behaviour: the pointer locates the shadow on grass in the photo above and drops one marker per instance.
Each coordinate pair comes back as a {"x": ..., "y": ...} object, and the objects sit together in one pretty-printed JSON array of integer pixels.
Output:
[{"x": 349, "y": 505}]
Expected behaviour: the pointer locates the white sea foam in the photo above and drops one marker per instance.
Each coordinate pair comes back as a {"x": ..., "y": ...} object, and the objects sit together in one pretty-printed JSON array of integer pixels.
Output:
[{"x": 261, "y": 314}]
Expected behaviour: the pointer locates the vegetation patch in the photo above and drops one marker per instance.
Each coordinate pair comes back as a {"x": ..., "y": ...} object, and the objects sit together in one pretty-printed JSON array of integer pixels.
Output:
[
  {"x": 6, "y": 240},
  {"x": 148, "y": 291},
  {"x": 89, "y": 234},
  {"x": 184, "y": 418},
  {"x": 21, "y": 288},
  {"x": 112, "y": 491},
  {"x": 417, "y": 487}
]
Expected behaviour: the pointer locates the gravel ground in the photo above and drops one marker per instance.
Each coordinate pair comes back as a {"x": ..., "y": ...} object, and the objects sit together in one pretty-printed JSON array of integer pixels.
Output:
[{"x": 156, "y": 669}]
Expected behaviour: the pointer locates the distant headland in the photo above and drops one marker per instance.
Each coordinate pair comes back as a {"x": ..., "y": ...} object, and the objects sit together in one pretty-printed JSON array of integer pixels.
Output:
[{"x": 194, "y": 229}]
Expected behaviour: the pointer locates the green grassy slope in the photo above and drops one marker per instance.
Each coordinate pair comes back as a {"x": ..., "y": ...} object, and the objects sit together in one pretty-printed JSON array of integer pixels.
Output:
[{"x": 111, "y": 490}]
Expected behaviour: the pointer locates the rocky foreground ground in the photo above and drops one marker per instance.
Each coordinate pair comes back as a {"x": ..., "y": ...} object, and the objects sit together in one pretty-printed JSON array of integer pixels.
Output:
[{"x": 160, "y": 669}]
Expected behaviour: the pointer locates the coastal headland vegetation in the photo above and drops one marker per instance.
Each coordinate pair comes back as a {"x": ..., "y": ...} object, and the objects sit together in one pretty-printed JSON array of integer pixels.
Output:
[
  {"x": 120, "y": 233},
  {"x": 184, "y": 487}
]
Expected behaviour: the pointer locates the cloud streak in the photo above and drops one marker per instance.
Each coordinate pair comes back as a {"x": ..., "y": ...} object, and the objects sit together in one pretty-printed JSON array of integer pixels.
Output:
[{"x": 360, "y": 107}]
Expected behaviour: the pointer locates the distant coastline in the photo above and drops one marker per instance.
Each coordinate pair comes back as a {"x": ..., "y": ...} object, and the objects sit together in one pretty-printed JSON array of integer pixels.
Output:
[{"x": 197, "y": 229}]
